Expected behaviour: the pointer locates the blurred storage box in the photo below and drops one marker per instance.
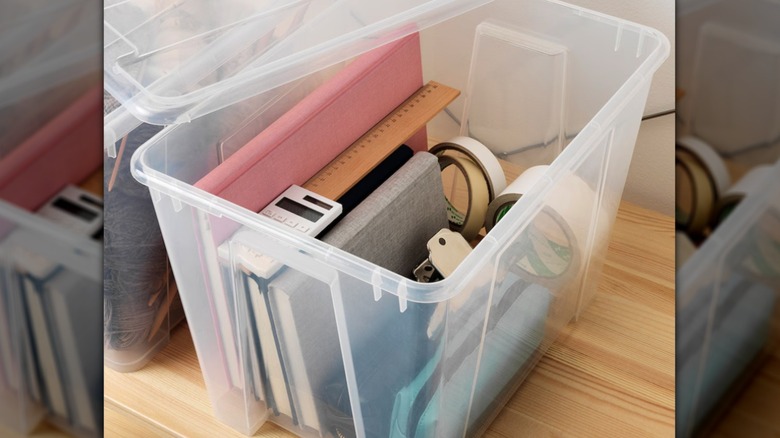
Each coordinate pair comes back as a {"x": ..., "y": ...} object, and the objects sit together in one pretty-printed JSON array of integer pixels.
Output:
[
  {"x": 728, "y": 289},
  {"x": 49, "y": 114}
]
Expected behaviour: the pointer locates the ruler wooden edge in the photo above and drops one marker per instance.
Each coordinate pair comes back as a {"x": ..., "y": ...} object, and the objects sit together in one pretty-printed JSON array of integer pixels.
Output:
[{"x": 355, "y": 162}]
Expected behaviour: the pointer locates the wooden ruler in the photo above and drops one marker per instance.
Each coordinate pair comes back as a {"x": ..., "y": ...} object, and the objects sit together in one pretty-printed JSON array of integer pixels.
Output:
[{"x": 374, "y": 146}]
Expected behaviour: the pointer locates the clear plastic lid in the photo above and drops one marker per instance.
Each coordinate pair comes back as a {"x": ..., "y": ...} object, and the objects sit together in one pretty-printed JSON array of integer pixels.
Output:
[
  {"x": 173, "y": 61},
  {"x": 49, "y": 56},
  {"x": 43, "y": 44}
]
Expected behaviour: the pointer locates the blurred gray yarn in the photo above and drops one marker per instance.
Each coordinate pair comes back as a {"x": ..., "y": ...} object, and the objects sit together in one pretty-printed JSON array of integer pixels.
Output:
[{"x": 135, "y": 264}]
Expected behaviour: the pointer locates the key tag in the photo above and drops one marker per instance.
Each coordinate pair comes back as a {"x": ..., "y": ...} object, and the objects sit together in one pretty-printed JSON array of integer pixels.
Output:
[{"x": 446, "y": 250}]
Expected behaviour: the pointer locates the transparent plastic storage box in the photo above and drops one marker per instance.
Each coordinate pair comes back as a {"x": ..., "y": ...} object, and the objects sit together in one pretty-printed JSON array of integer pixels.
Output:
[
  {"x": 399, "y": 353},
  {"x": 728, "y": 291},
  {"x": 49, "y": 111}
]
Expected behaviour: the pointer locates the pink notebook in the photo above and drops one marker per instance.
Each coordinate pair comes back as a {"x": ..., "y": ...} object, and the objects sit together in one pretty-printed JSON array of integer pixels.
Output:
[
  {"x": 64, "y": 151},
  {"x": 305, "y": 139}
]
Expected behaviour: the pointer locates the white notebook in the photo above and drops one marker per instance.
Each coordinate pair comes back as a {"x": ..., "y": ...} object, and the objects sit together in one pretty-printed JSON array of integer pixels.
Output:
[{"x": 44, "y": 348}]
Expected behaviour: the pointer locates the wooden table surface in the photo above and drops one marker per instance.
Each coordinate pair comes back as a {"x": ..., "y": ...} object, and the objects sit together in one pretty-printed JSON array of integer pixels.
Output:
[{"x": 610, "y": 374}]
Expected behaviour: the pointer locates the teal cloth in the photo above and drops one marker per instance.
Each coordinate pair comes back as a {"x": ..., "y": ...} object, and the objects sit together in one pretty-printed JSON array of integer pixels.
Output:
[{"x": 512, "y": 339}]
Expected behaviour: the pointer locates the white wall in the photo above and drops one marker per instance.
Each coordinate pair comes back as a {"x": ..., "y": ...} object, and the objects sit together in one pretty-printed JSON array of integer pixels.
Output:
[{"x": 651, "y": 176}]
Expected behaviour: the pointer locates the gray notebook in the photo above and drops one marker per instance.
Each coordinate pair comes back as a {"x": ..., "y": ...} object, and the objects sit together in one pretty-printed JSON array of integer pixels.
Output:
[{"x": 389, "y": 228}]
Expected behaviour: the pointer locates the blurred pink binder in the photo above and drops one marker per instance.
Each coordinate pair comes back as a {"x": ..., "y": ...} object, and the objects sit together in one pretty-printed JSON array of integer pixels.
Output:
[
  {"x": 66, "y": 150},
  {"x": 305, "y": 139}
]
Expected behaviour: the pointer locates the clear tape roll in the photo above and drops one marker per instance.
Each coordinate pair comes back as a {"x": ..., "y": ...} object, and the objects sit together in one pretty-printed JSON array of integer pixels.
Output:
[{"x": 509, "y": 196}]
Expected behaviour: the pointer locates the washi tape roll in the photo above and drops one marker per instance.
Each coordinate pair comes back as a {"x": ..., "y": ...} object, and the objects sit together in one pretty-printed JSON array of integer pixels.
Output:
[
  {"x": 484, "y": 179},
  {"x": 701, "y": 177},
  {"x": 503, "y": 202},
  {"x": 751, "y": 183}
]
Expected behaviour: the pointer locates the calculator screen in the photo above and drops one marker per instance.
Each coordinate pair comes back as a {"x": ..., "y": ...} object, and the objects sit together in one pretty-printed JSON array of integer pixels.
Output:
[{"x": 299, "y": 209}]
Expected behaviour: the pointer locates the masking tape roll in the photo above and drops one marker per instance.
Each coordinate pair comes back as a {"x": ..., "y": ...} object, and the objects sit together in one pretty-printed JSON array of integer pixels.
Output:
[
  {"x": 468, "y": 224},
  {"x": 703, "y": 194},
  {"x": 504, "y": 201},
  {"x": 751, "y": 183},
  {"x": 480, "y": 155},
  {"x": 712, "y": 162},
  {"x": 484, "y": 177}
]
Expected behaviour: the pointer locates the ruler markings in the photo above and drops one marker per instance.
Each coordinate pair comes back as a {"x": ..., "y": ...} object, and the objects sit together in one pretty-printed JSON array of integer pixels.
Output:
[{"x": 380, "y": 141}]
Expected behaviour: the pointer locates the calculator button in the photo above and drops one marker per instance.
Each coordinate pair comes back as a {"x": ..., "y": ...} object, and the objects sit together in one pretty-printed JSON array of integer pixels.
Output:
[
  {"x": 291, "y": 223},
  {"x": 268, "y": 213},
  {"x": 302, "y": 228},
  {"x": 279, "y": 217}
]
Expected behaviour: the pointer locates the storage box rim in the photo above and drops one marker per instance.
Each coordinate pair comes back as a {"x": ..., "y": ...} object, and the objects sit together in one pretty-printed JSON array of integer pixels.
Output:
[{"x": 20, "y": 217}]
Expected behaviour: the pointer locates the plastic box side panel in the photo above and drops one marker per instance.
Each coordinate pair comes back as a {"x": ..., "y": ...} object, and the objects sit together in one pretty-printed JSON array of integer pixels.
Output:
[
  {"x": 614, "y": 151},
  {"x": 414, "y": 363},
  {"x": 18, "y": 411},
  {"x": 32, "y": 247},
  {"x": 727, "y": 306},
  {"x": 184, "y": 229}
]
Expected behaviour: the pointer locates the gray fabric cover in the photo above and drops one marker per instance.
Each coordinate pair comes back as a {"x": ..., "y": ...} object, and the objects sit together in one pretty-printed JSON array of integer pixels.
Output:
[{"x": 392, "y": 226}]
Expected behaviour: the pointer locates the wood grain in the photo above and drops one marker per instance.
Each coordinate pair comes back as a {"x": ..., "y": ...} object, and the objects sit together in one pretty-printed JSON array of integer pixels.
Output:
[{"x": 610, "y": 374}]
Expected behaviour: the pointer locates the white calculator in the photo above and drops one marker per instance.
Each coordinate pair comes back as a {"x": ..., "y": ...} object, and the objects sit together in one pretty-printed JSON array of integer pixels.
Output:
[
  {"x": 303, "y": 210},
  {"x": 76, "y": 209},
  {"x": 299, "y": 209}
]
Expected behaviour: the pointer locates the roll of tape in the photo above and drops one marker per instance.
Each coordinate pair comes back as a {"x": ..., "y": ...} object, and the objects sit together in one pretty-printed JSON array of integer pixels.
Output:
[
  {"x": 703, "y": 194},
  {"x": 712, "y": 162},
  {"x": 480, "y": 155},
  {"x": 551, "y": 249},
  {"x": 751, "y": 183},
  {"x": 468, "y": 224},
  {"x": 507, "y": 198}
]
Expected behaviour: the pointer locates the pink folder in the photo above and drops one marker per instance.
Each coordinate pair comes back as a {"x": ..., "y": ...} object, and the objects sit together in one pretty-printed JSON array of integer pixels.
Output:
[
  {"x": 64, "y": 151},
  {"x": 305, "y": 139}
]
